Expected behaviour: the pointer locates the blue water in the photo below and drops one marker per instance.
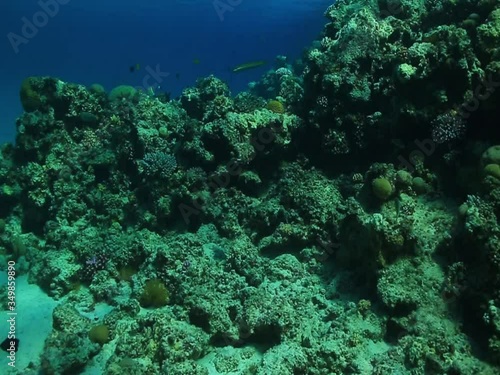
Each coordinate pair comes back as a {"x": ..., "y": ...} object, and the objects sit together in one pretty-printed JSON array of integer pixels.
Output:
[{"x": 97, "y": 41}]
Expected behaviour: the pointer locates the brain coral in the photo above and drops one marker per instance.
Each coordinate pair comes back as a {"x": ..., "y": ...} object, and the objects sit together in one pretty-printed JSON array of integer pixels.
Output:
[
  {"x": 381, "y": 188},
  {"x": 275, "y": 106}
]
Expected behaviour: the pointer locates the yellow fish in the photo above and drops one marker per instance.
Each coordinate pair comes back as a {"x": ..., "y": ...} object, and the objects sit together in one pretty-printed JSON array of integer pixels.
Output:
[{"x": 248, "y": 65}]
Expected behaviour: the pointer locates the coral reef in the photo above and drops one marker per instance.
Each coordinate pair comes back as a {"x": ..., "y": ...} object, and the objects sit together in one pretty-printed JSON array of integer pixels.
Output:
[{"x": 341, "y": 217}]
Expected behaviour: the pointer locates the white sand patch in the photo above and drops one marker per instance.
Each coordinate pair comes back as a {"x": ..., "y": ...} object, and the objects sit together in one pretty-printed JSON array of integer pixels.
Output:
[{"x": 33, "y": 321}]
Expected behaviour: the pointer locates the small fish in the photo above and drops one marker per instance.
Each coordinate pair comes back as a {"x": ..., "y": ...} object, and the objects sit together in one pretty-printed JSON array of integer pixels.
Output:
[
  {"x": 196, "y": 61},
  {"x": 134, "y": 68},
  {"x": 6, "y": 344},
  {"x": 248, "y": 65},
  {"x": 177, "y": 75}
]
